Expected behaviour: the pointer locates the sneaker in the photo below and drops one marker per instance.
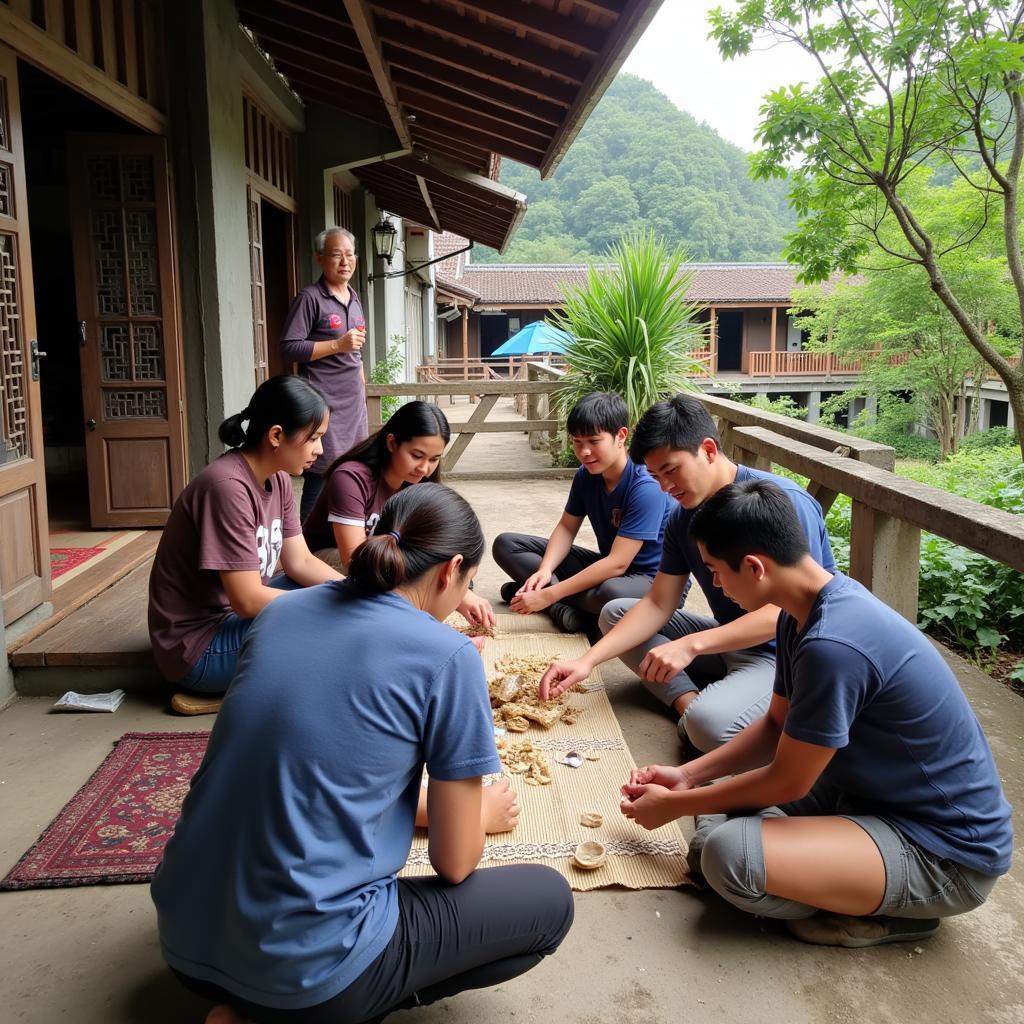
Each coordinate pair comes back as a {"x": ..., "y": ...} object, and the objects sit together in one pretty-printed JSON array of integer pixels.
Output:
[
  {"x": 509, "y": 590},
  {"x": 825, "y": 929},
  {"x": 195, "y": 703},
  {"x": 567, "y": 618}
]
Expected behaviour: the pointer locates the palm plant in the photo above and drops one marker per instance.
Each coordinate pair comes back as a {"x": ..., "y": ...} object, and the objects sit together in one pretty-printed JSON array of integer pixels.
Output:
[{"x": 633, "y": 329}]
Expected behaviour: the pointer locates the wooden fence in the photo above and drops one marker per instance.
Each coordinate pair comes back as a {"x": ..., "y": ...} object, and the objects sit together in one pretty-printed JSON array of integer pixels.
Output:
[{"x": 888, "y": 511}]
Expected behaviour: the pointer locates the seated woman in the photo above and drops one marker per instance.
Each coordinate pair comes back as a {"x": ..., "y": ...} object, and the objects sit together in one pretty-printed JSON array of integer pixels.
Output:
[
  {"x": 225, "y": 536},
  {"x": 309, "y": 813},
  {"x": 406, "y": 450}
]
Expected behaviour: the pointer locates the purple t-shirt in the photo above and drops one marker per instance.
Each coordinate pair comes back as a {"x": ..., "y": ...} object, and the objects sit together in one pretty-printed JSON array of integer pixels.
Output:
[
  {"x": 316, "y": 315},
  {"x": 223, "y": 520},
  {"x": 352, "y": 496}
]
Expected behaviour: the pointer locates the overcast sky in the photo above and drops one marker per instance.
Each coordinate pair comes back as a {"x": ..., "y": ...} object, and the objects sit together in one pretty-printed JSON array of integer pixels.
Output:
[{"x": 676, "y": 56}]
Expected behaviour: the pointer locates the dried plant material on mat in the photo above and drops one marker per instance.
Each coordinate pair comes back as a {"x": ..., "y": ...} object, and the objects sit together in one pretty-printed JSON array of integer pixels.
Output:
[
  {"x": 467, "y": 628},
  {"x": 549, "y": 827}
]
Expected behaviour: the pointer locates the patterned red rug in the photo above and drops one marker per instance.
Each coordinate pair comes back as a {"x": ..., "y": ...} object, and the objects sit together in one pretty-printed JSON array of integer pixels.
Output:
[
  {"x": 63, "y": 560},
  {"x": 115, "y": 828}
]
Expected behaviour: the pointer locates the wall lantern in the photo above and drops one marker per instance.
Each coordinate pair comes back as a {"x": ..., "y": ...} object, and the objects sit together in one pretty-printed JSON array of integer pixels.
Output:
[{"x": 384, "y": 237}]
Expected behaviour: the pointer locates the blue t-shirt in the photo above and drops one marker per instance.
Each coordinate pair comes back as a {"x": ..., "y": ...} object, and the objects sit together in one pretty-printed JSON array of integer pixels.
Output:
[
  {"x": 636, "y": 509},
  {"x": 279, "y": 882},
  {"x": 862, "y": 679},
  {"x": 682, "y": 556}
]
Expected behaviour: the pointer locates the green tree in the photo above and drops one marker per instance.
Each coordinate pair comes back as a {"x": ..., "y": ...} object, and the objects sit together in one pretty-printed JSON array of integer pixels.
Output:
[
  {"x": 633, "y": 329},
  {"x": 904, "y": 83},
  {"x": 606, "y": 210}
]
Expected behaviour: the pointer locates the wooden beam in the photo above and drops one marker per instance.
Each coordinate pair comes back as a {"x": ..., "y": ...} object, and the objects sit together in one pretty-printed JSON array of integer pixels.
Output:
[
  {"x": 304, "y": 73},
  {"x": 305, "y": 41},
  {"x": 495, "y": 43},
  {"x": 772, "y": 339},
  {"x": 353, "y": 104},
  {"x": 432, "y": 126},
  {"x": 408, "y": 69},
  {"x": 425, "y": 192},
  {"x": 428, "y": 91},
  {"x": 540, "y": 23},
  {"x": 441, "y": 55},
  {"x": 609, "y": 8},
  {"x": 53, "y": 57},
  {"x": 363, "y": 22}
]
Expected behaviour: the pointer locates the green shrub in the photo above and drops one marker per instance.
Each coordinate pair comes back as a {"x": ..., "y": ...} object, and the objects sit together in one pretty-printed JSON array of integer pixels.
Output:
[
  {"x": 994, "y": 437},
  {"x": 388, "y": 371},
  {"x": 784, "y": 405}
]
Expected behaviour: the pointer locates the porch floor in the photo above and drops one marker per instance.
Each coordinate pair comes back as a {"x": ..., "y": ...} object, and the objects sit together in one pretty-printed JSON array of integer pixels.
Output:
[{"x": 90, "y": 955}]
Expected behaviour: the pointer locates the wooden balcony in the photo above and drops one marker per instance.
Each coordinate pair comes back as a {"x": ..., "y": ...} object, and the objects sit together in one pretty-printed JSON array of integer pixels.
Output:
[{"x": 801, "y": 364}]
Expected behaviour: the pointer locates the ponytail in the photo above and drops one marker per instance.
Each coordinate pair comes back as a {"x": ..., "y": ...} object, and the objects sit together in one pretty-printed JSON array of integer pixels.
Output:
[
  {"x": 291, "y": 403},
  {"x": 419, "y": 527}
]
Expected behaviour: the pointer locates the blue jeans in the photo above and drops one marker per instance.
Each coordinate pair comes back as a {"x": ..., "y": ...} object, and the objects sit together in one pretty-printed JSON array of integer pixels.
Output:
[{"x": 216, "y": 666}]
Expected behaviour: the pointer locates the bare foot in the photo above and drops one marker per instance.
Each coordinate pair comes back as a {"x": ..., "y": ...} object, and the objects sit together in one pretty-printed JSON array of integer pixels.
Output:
[
  {"x": 499, "y": 809},
  {"x": 224, "y": 1015}
]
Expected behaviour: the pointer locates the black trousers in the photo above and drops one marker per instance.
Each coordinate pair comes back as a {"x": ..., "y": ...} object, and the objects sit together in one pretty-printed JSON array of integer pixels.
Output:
[
  {"x": 519, "y": 555},
  {"x": 498, "y": 924}
]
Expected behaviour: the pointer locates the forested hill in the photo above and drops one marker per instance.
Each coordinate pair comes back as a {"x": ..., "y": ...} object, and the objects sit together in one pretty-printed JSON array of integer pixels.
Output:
[{"x": 639, "y": 160}]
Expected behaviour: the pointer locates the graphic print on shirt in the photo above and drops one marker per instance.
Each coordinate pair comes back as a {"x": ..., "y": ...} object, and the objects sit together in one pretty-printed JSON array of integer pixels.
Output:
[
  {"x": 334, "y": 322},
  {"x": 371, "y": 522},
  {"x": 616, "y": 517},
  {"x": 268, "y": 545}
]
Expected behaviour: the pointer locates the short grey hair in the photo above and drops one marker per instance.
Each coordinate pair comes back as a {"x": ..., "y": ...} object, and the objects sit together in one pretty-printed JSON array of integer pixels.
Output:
[{"x": 320, "y": 242}]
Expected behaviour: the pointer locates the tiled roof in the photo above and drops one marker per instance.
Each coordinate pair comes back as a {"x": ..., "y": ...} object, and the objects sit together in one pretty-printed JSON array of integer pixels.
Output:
[{"x": 544, "y": 284}]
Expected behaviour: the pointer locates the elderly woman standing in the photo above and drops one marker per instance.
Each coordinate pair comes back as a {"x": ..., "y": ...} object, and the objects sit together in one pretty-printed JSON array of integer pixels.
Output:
[{"x": 324, "y": 333}]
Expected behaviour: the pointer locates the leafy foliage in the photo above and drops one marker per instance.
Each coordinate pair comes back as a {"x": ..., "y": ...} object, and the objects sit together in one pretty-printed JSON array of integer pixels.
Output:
[
  {"x": 632, "y": 327},
  {"x": 904, "y": 84},
  {"x": 390, "y": 370},
  {"x": 640, "y": 161},
  {"x": 784, "y": 405}
]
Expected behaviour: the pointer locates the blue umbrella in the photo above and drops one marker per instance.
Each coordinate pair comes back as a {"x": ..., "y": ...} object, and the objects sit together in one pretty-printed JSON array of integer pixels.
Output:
[{"x": 539, "y": 336}]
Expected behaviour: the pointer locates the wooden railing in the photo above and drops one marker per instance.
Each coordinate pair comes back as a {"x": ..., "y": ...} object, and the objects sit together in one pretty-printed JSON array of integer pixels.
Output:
[
  {"x": 800, "y": 364},
  {"x": 487, "y": 392},
  {"x": 889, "y": 511}
]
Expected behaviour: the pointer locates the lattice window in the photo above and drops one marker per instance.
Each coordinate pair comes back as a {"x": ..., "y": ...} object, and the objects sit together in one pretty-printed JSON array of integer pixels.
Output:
[
  {"x": 269, "y": 148},
  {"x": 149, "y": 352},
  {"x": 6, "y": 195},
  {"x": 13, "y": 405},
  {"x": 122, "y": 405},
  {"x": 342, "y": 208},
  {"x": 115, "y": 351},
  {"x": 108, "y": 259},
  {"x": 105, "y": 178},
  {"x": 139, "y": 186},
  {"x": 143, "y": 283}
]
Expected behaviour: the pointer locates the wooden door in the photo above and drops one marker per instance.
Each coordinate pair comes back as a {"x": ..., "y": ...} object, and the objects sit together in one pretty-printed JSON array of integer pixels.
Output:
[
  {"x": 24, "y": 542},
  {"x": 127, "y": 303},
  {"x": 257, "y": 281}
]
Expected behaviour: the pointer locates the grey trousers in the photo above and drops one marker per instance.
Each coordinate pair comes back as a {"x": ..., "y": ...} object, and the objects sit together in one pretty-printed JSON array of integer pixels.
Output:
[
  {"x": 729, "y": 853},
  {"x": 519, "y": 556},
  {"x": 734, "y": 688}
]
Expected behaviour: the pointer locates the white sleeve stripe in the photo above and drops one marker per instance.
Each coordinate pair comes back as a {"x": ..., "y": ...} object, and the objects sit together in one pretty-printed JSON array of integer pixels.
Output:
[{"x": 331, "y": 518}]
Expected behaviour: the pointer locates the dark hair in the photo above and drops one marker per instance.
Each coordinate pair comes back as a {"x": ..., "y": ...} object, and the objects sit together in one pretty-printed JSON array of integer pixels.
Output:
[
  {"x": 753, "y": 517},
  {"x": 603, "y": 411},
  {"x": 291, "y": 403},
  {"x": 679, "y": 422},
  {"x": 414, "y": 419},
  {"x": 418, "y": 528}
]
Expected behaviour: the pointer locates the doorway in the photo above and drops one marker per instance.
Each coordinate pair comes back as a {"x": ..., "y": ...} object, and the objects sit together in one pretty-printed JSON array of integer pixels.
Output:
[
  {"x": 272, "y": 276},
  {"x": 730, "y": 340}
]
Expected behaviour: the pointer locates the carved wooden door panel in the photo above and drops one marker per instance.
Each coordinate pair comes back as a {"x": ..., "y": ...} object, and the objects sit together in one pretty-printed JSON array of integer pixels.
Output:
[
  {"x": 24, "y": 556},
  {"x": 130, "y": 355}
]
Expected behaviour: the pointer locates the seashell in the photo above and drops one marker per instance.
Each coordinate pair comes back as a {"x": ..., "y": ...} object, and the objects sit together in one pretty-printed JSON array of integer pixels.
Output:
[
  {"x": 572, "y": 759},
  {"x": 591, "y": 819},
  {"x": 544, "y": 780},
  {"x": 589, "y": 855},
  {"x": 531, "y": 781}
]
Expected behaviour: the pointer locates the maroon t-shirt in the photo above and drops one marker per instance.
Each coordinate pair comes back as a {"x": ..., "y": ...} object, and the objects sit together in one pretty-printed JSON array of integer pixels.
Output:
[
  {"x": 352, "y": 496},
  {"x": 316, "y": 315},
  {"x": 225, "y": 519}
]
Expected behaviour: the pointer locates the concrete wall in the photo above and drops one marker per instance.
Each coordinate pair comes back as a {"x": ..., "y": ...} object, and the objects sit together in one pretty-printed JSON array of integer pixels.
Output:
[
  {"x": 208, "y": 160},
  {"x": 6, "y": 675}
]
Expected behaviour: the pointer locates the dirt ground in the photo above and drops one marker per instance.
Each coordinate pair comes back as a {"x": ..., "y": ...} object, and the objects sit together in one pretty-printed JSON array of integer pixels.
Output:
[{"x": 90, "y": 955}]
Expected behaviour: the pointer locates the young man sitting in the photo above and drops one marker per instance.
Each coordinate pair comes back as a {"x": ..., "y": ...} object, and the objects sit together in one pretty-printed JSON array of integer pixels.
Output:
[
  {"x": 626, "y": 510},
  {"x": 883, "y": 810},
  {"x": 714, "y": 672}
]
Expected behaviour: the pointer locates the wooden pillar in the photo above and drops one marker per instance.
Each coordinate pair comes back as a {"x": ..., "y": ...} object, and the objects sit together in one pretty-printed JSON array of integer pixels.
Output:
[
  {"x": 713, "y": 342},
  {"x": 775, "y": 313},
  {"x": 885, "y": 556},
  {"x": 465, "y": 342}
]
